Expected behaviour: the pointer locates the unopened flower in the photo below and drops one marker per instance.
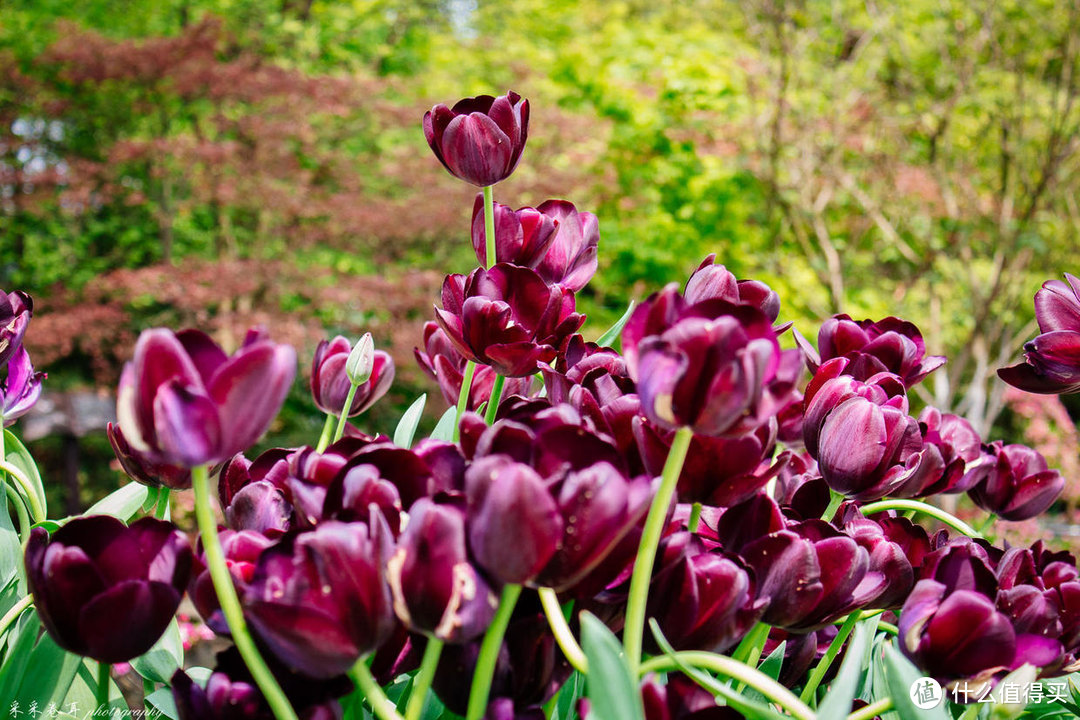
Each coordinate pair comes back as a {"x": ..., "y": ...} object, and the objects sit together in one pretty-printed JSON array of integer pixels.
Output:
[
  {"x": 331, "y": 378},
  {"x": 480, "y": 139}
]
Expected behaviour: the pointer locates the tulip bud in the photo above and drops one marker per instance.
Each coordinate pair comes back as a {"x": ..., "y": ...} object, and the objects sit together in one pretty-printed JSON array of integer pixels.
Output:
[
  {"x": 480, "y": 139},
  {"x": 361, "y": 360}
]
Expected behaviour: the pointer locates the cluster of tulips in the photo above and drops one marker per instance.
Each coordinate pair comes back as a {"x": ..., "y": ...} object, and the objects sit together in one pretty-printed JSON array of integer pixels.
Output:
[{"x": 687, "y": 524}]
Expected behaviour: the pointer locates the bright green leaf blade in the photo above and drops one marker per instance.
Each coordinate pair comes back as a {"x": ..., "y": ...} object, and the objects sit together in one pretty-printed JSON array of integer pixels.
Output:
[
  {"x": 901, "y": 675},
  {"x": 15, "y": 664},
  {"x": 10, "y": 545},
  {"x": 444, "y": 430},
  {"x": 615, "y": 330},
  {"x": 49, "y": 674},
  {"x": 612, "y": 692},
  {"x": 406, "y": 428},
  {"x": 770, "y": 666},
  {"x": 122, "y": 503},
  {"x": 17, "y": 454},
  {"x": 164, "y": 658},
  {"x": 162, "y": 701},
  {"x": 842, "y": 689}
]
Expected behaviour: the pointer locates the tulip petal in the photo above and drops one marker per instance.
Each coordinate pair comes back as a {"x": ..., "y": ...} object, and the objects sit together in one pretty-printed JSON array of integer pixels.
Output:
[
  {"x": 146, "y": 607},
  {"x": 249, "y": 390},
  {"x": 187, "y": 427}
]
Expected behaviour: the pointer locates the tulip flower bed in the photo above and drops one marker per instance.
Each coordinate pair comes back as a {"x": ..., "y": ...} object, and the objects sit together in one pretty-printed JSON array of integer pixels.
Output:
[{"x": 701, "y": 525}]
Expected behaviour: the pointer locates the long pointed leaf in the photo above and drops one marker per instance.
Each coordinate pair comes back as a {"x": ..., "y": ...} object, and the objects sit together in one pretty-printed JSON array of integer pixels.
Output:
[
  {"x": 406, "y": 428},
  {"x": 613, "y": 694}
]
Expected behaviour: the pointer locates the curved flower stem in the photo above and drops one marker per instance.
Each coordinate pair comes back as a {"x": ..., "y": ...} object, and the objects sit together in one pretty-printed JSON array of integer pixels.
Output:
[
  {"x": 327, "y": 428},
  {"x": 20, "y": 512},
  {"x": 493, "y": 401},
  {"x": 561, "y": 630},
  {"x": 463, "y": 396},
  {"x": 103, "y": 684},
  {"x": 230, "y": 603},
  {"x": 489, "y": 653},
  {"x": 162, "y": 508},
  {"x": 382, "y": 706},
  {"x": 634, "y": 629},
  {"x": 695, "y": 517},
  {"x": 888, "y": 627},
  {"x": 345, "y": 412},
  {"x": 834, "y": 649},
  {"x": 926, "y": 509},
  {"x": 423, "y": 678},
  {"x": 13, "y": 614},
  {"x": 872, "y": 710},
  {"x": 36, "y": 511},
  {"x": 723, "y": 665},
  {"x": 489, "y": 227}
]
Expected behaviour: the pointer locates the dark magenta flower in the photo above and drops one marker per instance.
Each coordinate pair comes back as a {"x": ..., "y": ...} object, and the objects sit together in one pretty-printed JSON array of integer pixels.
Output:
[
  {"x": 21, "y": 386},
  {"x": 330, "y": 384},
  {"x": 715, "y": 282},
  {"x": 1014, "y": 482},
  {"x": 242, "y": 550},
  {"x": 896, "y": 547},
  {"x": 444, "y": 364},
  {"x": 183, "y": 401},
  {"x": 95, "y": 570},
  {"x": 522, "y": 237},
  {"x": 16, "y": 308},
  {"x": 480, "y": 139},
  {"x": 507, "y": 317},
  {"x": 320, "y": 600},
  {"x": 143, "y": 467},
  {"x": 958, "y": 444},
  {"x": 570, "y": 260},
  {"x": 889, "y": 345},
  {"x": 680, "y": 698},
  {"x": 1052, "y": 360},
  {"x": 437, "y": 589}
]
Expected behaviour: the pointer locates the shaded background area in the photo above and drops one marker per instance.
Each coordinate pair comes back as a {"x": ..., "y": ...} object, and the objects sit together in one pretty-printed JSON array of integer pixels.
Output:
[{"x": 222, "y": 163}]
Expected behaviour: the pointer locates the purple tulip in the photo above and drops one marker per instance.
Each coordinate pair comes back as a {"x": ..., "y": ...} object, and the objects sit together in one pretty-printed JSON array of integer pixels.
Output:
[
  {"x": 320, "y": 600},
  {"x": 958, "y": 444},
  {"x": 183, "y": 401},
  {"x": 444, "y": 364},
  {"x": 242, "y": 550},
  {"x": 896, "y": 547},
  {"x": 522, "y": 237},
  {"x": 142, "y": 468},
  {"x": 715, "y": 282},
  {"x": 95, "y": 570},
  {"x": 570, "y": 260},
  {"x": 21, "y": 387},
  {"x": 680, "y": 699},
  {"x": 506, "y": 317},
  {"x": 889, "y": 345},
  {"x": 16, "y": 308},
  {"x": 437, "y": 589},
  {"x": 1052, "y": 360},
  {"x": 330, "y": 384},
  {"x": 480, "y": 139},
  {"x": 1014, "y": 482}
]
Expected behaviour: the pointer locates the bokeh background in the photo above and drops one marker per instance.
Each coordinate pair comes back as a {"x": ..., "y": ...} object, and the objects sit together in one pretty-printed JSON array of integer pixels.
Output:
[{"x": 222, "y": 163}]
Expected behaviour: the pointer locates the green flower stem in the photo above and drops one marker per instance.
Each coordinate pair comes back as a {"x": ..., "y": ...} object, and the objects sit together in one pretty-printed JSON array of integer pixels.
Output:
[
  {"x": 924, "y": 508},
  {"x": 634, "y": 629},
  {"x": 345, "y": 412},
  {"x": 13, "y": 614},
  {"x": 823, "y": 665},
  {"x": 327, "y": 428},
  {"x": 695, "y": 517},
  {"x": 489, "y": 227},
  {"x": 103, "y": 685},
  {"x": 561, "y": 630},
  {"x": 162, "y": 508},
  {"x": 36, "y": 511},
  {"x": 20, "y": 511},
  {"x": 493, "y": 401},
  {"x": 835, "y": 501},
  {"x": 422, "y": 679},
  {"x": 728, "y": 667},
  {"x": 888, "y": 627},
  {"x": 489, "y": 653},
  {"x": 872, "y": 710},
  {"x": 230, "y": 603},
  {"x": 463, "y": 396},
  {"x": 382, "y": 706}
]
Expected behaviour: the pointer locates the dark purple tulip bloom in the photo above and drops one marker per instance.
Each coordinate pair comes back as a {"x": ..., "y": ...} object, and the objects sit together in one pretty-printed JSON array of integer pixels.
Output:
[
  {"x": 522, "y": 237},
  {"x": 1052, "y": 360},
  {"x": 480, "y": 139},
  {"x": 95, "y": 570},
  {"x": 889, "y": 345},
  {"x": 507, "y": 317},
  {"x": 896, "y": 546},
  {"x": 221, "y": 699},
  {"x": 444, "y": 364},
  {"x": 680, "y": 699},
  {"x": 962, "y": 564},
  {"x": 958, "y": 444},
  {"x": 570, "y": 260},
  {"x": 437, "y": 590},
  {"x": 715, "y": 282},
  {"x": 320, "y": 599},
  {"x": 712, "y": 366},
  {"x": 16, "y": 309},
  {"x": 143, "y": 468},
  {"x": 242, "y": 550},
  {"x": 183, "y": 401},
  {"x": 21, "y": 387},
  {"x": 330, "y": 385},
  {"x": 1014, "y": 482},
  {"x": 799, "y": 486}
]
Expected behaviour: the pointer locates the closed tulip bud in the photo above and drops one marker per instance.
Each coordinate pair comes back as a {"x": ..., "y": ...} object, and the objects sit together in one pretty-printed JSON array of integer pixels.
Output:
[
  {"x": 335, "y": 369},
  {"x": 95, "y": 570},
  {"x": 1052, "y": 360},
  {"x": 361, "y": 360},
  {"x": 1014, "y": 482},
  {"x": 480, "y": 139},
  {"x": 184, "y": 402},
  {"x": 16, "y": 309},
  {"x": 21, "y": 387}
]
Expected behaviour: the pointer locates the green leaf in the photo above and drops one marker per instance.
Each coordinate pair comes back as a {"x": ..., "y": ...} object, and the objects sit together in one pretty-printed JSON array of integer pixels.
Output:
[
  {"x": 1022, "y": 677},
  {"x": 16, "y": 661},
  {"x": 49, "y": 674},
  {"x": 406, "y": 428},
  {"x": 615, "y": 330},
  {"x": 152, "y": 494},
  {"x": 570, "y": 694},
  {"x": 83, "y": 694},
  {"x": 122, "y": 503},
  {"x": 17, "y": 454},
  {"x": 50, "y": 526},
  {"x": 901, "y": 675},
  {"x": 771, "y": 665},
  {"x": 162, "y": 701},
  {"x": 164, "y": 658},
  {"x": 10, "y": 545},
  {"x": 842, "y": 689},
  {"x": 444, "y": 430},
  {"x": 611, "y": 689}
]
